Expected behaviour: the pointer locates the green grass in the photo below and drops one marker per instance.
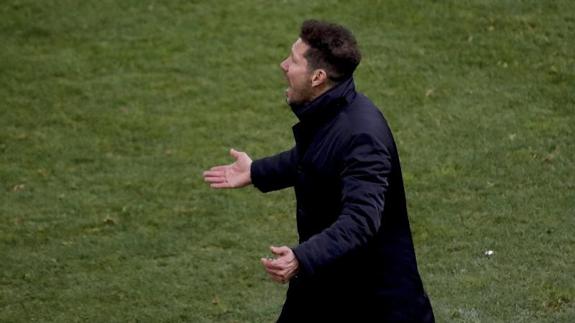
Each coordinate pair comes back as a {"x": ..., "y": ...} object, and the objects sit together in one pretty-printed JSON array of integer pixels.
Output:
[{"x": 110, "y": 111}]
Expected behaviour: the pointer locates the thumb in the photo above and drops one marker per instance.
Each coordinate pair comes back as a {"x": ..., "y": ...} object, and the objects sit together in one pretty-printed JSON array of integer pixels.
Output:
[
  {"x": 279, "y": 251},
  {"x": 234, "y": 153}
]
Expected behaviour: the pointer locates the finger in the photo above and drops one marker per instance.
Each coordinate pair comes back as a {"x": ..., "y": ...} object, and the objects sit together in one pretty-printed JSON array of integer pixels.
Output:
[
  {"x": 219, "y": 168},
  {"x": 278, "y": 275},
  {"x": 221, "y": 185},
  {"x": 265, "y": 262},
  {"x": 269, "y": 267},
  {"x": 214, "y": 179},
  {"x": 274, "y": 266},
  {"x": 212, "y": 172},
  {"x": 273, "y": 271},
  {"x": 282, "y": 275},
  {"x": 271, "y": 264},
  {"x": 277, "y": 278},
  {"x": 214, "y": 175}
]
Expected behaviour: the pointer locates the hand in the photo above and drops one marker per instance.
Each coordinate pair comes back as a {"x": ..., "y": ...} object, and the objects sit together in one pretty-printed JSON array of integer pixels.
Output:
[
  {"x": 283, "y": 267},
  {"x": 234, "y": 175}
]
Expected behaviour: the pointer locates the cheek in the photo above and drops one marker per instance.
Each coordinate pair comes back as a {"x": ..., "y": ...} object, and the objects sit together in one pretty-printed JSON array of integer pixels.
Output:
[
  {"x": 296, "y": 75},
  {"x": 292, "y": 77}
]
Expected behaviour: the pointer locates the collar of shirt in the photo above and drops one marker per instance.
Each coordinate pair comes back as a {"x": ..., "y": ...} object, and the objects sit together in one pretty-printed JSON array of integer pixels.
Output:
[{"x": 327, "y": 104}]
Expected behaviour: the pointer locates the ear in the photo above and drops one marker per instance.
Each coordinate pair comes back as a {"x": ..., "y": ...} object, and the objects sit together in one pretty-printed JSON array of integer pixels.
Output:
[{"x": 319, "y": 77}]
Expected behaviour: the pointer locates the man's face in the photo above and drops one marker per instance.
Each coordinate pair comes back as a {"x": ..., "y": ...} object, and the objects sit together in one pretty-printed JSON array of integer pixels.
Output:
[{"x": 297, "y": 74}]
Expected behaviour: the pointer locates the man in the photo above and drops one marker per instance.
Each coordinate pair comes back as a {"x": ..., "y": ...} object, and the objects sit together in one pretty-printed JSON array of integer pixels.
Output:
[{"x": 355, "y": 261}]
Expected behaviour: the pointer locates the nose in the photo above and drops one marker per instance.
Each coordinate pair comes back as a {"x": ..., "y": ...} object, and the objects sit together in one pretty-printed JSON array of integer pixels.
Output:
[{"x": 284, "y": 65}]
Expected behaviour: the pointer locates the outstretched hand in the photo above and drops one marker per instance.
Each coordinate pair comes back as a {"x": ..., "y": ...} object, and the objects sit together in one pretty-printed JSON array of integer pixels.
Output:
[
  {"x": 282, "y": 268},
  {"x": 234, "y": 175}
]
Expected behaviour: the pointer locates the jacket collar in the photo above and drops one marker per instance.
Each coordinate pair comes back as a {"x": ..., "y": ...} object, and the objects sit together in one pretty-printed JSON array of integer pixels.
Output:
[{"x": 327, "y": 104}]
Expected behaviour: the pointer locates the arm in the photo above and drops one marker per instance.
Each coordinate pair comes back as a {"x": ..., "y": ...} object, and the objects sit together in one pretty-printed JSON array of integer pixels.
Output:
[
  {"x": 367, "y": 167},
  {"x": 275, "y": 172}
]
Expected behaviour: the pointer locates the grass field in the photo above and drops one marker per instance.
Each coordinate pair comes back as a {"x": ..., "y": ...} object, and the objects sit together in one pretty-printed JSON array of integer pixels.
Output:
[{"x": 110, "y": 111}]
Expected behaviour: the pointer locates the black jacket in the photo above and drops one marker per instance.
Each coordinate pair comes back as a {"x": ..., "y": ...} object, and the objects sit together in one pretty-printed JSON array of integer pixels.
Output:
[{"x": 357, "y": 261}]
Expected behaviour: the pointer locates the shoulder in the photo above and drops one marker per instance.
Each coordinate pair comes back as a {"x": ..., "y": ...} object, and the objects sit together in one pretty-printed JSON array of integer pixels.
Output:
[
  {"x": 364, "y": 124},
  {"x": 363, "y": 117}
]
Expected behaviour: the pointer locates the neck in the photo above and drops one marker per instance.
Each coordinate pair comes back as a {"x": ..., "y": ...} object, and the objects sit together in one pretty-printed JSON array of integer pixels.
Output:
[
  {"x": 326, "y": 101},
  {"x": 321, "y": 89}
]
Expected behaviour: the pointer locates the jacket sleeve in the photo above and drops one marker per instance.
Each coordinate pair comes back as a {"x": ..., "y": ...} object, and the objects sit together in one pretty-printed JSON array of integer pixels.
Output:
[
  {"x": 367, "y": 167},
  {"x": 275, "y": 172}
]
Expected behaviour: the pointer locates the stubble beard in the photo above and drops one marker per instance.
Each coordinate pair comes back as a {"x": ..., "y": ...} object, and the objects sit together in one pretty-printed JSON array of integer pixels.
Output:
[{"x": 298, "y": 98}]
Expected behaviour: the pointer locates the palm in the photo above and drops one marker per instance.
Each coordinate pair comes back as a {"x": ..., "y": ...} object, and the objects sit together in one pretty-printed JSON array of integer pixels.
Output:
[{"x": 234, "y": 175}]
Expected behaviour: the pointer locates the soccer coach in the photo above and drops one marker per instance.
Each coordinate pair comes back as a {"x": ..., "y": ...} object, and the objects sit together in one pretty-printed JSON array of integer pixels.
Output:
[{"x": 355, "y": 260}]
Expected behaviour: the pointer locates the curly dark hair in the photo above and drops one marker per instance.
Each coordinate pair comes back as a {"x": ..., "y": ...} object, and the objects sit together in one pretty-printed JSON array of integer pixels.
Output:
[{"x": 332, "y": 48}]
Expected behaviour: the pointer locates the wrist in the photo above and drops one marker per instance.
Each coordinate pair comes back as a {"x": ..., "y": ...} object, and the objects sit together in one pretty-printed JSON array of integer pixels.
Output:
[{"x": 249, "y": 177}]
